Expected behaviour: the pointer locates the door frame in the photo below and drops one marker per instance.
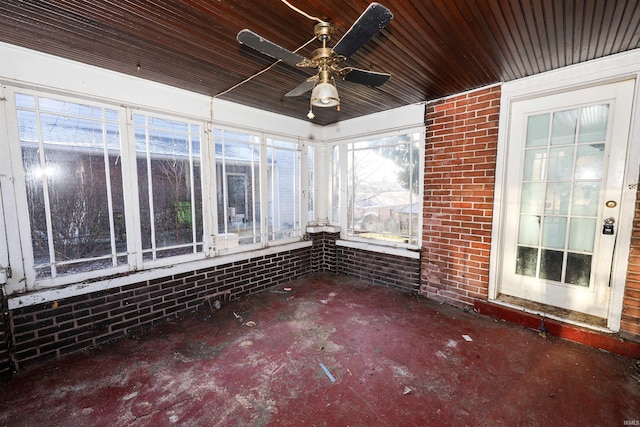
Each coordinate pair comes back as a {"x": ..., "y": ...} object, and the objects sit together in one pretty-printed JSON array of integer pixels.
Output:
[{"x": 611, "y": 69}]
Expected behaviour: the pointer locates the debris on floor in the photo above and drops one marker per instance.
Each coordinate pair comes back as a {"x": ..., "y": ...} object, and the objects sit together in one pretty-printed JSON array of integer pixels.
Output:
[
  {"x": 326, "y": 371},
  {"x": 396, "y": 359},
  {"x": 467, "y": 338}
]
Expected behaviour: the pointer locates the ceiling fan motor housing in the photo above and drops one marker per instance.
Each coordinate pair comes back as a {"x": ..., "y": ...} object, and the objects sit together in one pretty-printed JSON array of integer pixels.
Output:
[{"x": 324, "y": 31}]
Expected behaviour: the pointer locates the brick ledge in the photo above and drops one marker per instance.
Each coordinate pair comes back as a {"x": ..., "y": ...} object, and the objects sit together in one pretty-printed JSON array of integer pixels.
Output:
[{"x": 608, "y": 342}]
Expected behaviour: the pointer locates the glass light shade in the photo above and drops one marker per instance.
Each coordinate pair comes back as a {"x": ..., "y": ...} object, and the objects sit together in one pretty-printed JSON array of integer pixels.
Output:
[{"x": 325, "y": 95}]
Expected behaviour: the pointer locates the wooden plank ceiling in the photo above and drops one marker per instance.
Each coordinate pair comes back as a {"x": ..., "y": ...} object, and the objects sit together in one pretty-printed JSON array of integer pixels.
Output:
[{"x": 431, "y": 48}]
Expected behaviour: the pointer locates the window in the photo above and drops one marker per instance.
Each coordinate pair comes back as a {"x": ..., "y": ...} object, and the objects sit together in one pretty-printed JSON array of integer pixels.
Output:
[
  {"x": 169, "y": 186},
  {"x": 239, "y": 193},
  {"x": 73, "y": 179},
  {"x": 383, "y": 192},
  {"x": 310, "y": 183},
  {"x": 283, "y": 180},
  {"x": 335, "y": 184}
]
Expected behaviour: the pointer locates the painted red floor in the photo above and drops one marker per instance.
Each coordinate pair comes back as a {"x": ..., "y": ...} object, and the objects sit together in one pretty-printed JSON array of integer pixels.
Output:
[{"x": 397, "y": 359}]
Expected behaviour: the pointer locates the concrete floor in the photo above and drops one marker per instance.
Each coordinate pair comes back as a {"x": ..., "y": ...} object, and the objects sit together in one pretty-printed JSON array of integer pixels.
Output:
[{"x": 397, "y": 359}]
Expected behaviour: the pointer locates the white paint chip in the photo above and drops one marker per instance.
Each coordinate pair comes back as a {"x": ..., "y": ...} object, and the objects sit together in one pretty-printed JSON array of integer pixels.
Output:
[{"x": 467, "y": 338}]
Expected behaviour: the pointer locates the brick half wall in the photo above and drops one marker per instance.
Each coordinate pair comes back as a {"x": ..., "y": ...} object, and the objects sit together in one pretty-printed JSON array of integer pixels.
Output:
[
  {"x": 460, "y": 162},
  {"x": 384, "y": 269},
  {"x": 323, "y": 256},
  {"x": 49, "y": 330}
]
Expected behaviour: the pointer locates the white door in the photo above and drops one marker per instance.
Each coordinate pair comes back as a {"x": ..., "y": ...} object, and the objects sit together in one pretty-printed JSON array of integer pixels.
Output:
[{"x": 565, "y": 166}]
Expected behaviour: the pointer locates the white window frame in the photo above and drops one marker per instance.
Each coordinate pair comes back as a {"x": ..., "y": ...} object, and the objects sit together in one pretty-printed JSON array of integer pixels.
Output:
[
  {"x": 131, "y": 163},
  {"x": 342, "y": 199}
]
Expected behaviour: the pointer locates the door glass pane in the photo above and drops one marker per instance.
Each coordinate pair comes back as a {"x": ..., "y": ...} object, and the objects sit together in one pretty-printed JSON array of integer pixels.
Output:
[
  {"x": 527, "y": 260},
  {"x": 560, "y": 163},
  {"x": 593, "y": 123},
  {"x": 532, "y": 197},
  {"x": 560, "y": 194},
  {"x": 564, "y": 127},
  {"x": 582, "y": 234},
  {"x": 585, "y": 198},
  {"x": 589, "y": 161},
  {"x": 554, "y": 231},
  {"x": 551, "y": 265},
  {"x": 535, "y": 162},
  {"x": 578, "y": 269},
  {"x": 537, "y": 130},
  {"x": 557, "y": 198},
  {"x": 529, "y": 230}
]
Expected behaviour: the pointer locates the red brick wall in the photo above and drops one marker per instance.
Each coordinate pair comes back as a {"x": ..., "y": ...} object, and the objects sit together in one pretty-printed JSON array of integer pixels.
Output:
[
  {"x": 630, "y": 325},
  {"x": 460, "y": 162}
]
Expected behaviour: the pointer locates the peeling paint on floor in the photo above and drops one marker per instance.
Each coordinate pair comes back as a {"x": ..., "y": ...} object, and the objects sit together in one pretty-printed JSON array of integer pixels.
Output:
[{"x": 397, "y": 359}]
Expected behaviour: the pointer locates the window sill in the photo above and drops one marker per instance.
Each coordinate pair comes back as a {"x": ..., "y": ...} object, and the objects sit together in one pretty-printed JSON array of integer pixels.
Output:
[
  {"x": 323, "y": 229},
  {"x": 78, "y": 288},
  {"x": 413, "y": 253}
]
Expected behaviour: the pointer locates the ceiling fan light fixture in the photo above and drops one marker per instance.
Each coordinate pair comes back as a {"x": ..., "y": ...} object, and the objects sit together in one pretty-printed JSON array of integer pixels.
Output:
[{"x": 325, "y": 94}]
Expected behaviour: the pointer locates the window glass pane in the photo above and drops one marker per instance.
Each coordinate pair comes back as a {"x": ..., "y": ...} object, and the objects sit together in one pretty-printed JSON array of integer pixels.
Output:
[
  {"x": 564, "y": 127},
  {"x": 74, "y": 186},
  {"x": 69, "y": 109},
  {"x": 593, "y": 123},
  {"x": 238, "y": 184},
  {"x": 537, "y": 130},
  {"x": 383, "y": 193},
  {"x": 25, "y": 101}
]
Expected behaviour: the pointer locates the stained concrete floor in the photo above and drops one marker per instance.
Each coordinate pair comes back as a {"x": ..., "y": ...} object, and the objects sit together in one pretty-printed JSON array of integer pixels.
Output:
[{"x": 397, "y": 360}]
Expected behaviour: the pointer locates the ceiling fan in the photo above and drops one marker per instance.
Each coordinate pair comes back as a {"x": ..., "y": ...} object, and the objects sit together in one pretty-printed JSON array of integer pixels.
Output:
[{"x": 327, "y": 60}]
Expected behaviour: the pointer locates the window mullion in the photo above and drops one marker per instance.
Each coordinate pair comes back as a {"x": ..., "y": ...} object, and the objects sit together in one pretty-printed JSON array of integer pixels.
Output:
[
  {"x": 192, "y": 193},
  {"x": 130, "y": 190},
  {"x": 152, "y": 222},
  {"x": 45, "y": 191},
  {"x": 304, "y": 186},
  {"x": 107, "y": 172},
  {"x": 209, "y": 188},
  {"x": 264, "y": 191}
]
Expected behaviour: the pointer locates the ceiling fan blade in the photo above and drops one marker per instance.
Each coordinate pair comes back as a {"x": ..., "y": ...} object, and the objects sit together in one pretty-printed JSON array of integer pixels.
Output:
[
  {"x": 372, "y": 20},
  {"x": 271, "y": 49},
  {"x": 371, "y": 78},
  {"x": 302, "y": 88}
]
